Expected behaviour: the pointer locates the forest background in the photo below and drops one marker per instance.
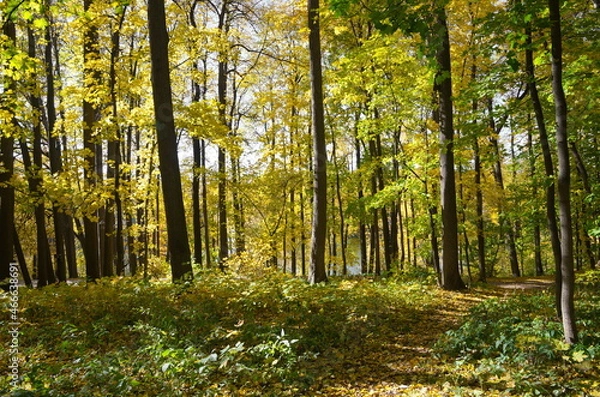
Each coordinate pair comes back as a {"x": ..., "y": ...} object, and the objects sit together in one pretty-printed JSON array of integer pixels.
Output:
[
  {"x": 80, "y": 149},
  {"x": 443, "y": 128}
]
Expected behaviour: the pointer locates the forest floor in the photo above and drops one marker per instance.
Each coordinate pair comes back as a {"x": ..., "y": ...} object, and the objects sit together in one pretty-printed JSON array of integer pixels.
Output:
[
  {"x": 396, "y": 363},
  {"x": 269, "y": 334}
]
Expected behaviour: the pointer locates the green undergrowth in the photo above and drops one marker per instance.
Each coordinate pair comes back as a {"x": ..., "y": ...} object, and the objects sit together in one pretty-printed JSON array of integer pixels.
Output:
[
  {"x": 515, "y": 345},
  {"x": 220, "y": 335},
  {"x": 269, "y": 334}
]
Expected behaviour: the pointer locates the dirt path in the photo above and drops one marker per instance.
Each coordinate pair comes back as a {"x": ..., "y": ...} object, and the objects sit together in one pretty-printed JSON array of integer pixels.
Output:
[
  {"x": 522, "y": 283},
  {"x": 401, "y": 363}
]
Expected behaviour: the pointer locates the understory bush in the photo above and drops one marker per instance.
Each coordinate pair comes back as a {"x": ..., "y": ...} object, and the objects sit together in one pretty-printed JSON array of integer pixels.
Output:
[
  {"x": 516, "y": 344},
  {"x": 223, "y": 334}
]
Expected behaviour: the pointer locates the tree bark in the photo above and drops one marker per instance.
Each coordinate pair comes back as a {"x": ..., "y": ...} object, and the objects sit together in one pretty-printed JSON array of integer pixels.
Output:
[
  {"x": 506, "y": 225},
  {"x": 564, "y": 178},
  {"x": 54, "y": 152},
  {"x": 7, "y": 192},
  {"x": 34, "y": 170},
  {"x": 222, "y": 156},
  {"x": 90, "y": 226},
  {"x": 450, "y": 276},
  {"x": 362, "y": 228},
  {"x": 113, "y": 256},
  {"x": 551, "y": 216},
  {"x": 179, "y": 249},
  {"x": 21, "y": 259},
  {"x": 317, "y": 272}
]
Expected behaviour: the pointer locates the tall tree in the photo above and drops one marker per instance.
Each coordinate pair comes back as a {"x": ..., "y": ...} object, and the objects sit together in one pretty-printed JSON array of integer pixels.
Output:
[
  {"x": 179, "y": 249},
  {"x": 7, "y": 192},
  {"x": 34, "y": 170},
  {"x": 550, "y": 188},
  {"x": 54, "y": 152},
  {"x": 317, "y": 272},
  {"x": 91, "y": 54},
  {"x": 564, "y": 177},
  {"x": 450, "y": 275},
  {"x": 222, "y": 73}
]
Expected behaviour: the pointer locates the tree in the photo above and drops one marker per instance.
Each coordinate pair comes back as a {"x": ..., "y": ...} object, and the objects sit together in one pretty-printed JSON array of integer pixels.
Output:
[
  {"x": 450, "y": 275},
  {"x": 319, "y": 221},
  {"x": 179, "y": 249},
  {"x": 564, "y": 177},
  {"x": 7, "y": 193},
  {"x": 90, "y": 113}
]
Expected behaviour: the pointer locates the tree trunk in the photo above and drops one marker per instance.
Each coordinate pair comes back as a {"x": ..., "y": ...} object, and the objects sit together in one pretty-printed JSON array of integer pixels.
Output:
[
  {"x": 362, "y": 228},
  {"x": 480, "y": 226},
  {"x": 450, "y": 279},
  {"x": 385, "y": 223},
  {"x": 21, "y": 259},
  {"x": 338, "y": 192},
  {"x": 207, "y": 256},
  {"x": 7, "y": 192},
  {"x": 583, "y": 175},
  {"x": 34, "y": 170},
  {"x": 54, "y": 152},
  {"x": 111, "y": 259},
  {"x": 548, "y": 167},
  {"x": 375, "y": 258},
  {"x": 505, "y": 224},
  {"x": 45, "y": 273},
  {"x": 564, "y": 178},
  {"x": 90, "y": 226},
  {"x": 317, "y": 272},
  {"x": 55, "y": 156},
  {"x": 239, "y": 223},
  {"x": 222, "y": 157},
  {"x": 537, "y": 238},
  {"x": 179, "y": 249}
]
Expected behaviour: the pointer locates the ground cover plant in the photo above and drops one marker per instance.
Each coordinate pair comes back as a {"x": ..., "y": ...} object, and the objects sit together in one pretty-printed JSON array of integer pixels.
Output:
[{"x": 270, "y": 334}]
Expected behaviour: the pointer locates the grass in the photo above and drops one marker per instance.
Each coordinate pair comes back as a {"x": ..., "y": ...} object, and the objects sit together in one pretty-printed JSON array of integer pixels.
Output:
[{"x": 269, "y": 334}]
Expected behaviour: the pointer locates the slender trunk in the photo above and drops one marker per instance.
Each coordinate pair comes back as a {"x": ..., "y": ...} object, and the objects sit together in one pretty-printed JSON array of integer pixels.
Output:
[
  {"x": 498, "y": 176},
  {"x": 583, "y": 175},
  {"x": 222, "y": 157},
  {"x": 537, "y": 239},
  {"x": 207, "y": 256},
  {"x": 54, "y": 152},
  {"x": 179, "y": 249},
  {"x": 45, "y": 273},
  {"x": 90, "y": 225},
  {"x": 463, "y": 216},
  {"x": 362, "y": 228},
  {"x": 551, "y": 216},
  {"x": 402, "y": 226},
  {"x": 406, "y": 237},
  {"x": 375, "y": 258},
  {"x": 21, "y": 259},
  {"x": 564, "y": 178},
  {"x": 414, "y": 238},
  {"x": 319, "y": 220},
  {"x": 196, "y": 176},
  {"x": 480, "y": 226},
  {"x": 111, "y": 258},
  {"x": 385, "y": 224},
  {"x": 338, "y": 191},
  {"x": 395, "y": 206},
  {"x": 196, "y": 204},
  {"x": 238, "y": 208},
  {"x": 66, "y": 220},
  {"x": 302, "y": 234},
  {"x": 34, "y": 171}
]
